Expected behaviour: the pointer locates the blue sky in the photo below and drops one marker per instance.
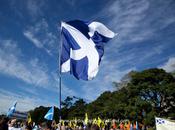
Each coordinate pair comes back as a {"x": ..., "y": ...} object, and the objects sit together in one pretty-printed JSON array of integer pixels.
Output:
[{"x": 29, "y": 40}]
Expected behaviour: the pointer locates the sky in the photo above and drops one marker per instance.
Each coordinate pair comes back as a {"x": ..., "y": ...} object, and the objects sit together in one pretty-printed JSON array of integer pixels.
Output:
[{"x": 30, "y": 37}]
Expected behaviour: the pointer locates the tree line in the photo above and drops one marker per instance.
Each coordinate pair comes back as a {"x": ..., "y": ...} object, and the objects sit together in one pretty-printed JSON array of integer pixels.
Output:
[{"x": 140, "y": 96}]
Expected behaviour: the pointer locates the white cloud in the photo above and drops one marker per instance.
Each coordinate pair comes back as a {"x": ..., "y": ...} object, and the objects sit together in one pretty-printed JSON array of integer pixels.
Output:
[
  {"x": 134, "y": 23},
  {"x": 35, "y": 7},
  {"x": 169, "y": 66},
  {"x": 12, "y": 64},
  {"x": 137, "y": 20},
  {"x": 24, "y": 102},
  {"x": 109, "y": 72},
  {"x": 66, "y": 90},
  {"x": 32, "y": 72},
  {"x": 128, "y": 16},
  {"x": 42, "y": 37},
  {"x": 30, "y": 36}
]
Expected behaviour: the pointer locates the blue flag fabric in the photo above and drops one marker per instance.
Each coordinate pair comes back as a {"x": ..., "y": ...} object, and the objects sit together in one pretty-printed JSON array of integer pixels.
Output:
[
  {"x": 83, "y": 47},
  {"x": 49, "y": 114},
  {"x": 12, "y": 109}
]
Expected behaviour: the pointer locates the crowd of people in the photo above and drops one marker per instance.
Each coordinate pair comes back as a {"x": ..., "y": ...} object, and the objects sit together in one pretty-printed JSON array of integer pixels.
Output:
[{"x": 14, "y": 124}]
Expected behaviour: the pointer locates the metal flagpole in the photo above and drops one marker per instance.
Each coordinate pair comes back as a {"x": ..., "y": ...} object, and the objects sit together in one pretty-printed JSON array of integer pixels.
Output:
[{"x": 60, "y": 51}]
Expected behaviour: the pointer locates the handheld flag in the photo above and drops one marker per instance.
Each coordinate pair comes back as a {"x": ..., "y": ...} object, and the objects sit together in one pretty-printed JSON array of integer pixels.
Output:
[
  {"x": 137, "y": 127},
  {"x": 29, "y": 119},
  {"x": 50, "y": 113},
  {"x": 12, "y": 109},
  {"x": 164, "y": 124},
  {"x": 94, "y": 121},
  {"x": 99, "y": 121},
  {"x": 83, "y": 47},
  {"x": 62, "y": 122},
  {"x": 131, "y": 127},
  {"x": 75, "y": 122},
  {"x": 70, "y": 124},
  {"x": 86, "y": 119}
]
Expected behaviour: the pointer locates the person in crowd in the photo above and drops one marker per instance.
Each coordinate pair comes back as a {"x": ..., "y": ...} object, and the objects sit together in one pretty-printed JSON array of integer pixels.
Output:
[
  {"x": 46, "y": 126},
  {"x": 4, "y": 123},
  {"x": 128, "y": 124},
  {"x": 95, "y": 127},
  {"x": 13, "y": 125},
  {"x": 121, "y": 126},
  {"x": 28, "y": 127}
]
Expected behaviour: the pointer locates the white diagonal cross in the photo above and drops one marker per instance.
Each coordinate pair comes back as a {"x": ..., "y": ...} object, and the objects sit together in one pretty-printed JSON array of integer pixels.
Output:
[{"x": 87, "y": 49}]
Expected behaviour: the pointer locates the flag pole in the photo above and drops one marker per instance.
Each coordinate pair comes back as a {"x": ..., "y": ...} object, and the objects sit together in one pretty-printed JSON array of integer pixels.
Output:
[{"x": 60, "y": 51}]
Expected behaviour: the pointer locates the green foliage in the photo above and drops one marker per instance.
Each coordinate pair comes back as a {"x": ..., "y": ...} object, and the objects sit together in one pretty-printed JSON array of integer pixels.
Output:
[
  {"x": 37, "y": 115},
  {"x": 147, "y": 94},
  {"x": 77, "y": 110},
  {"x": 141, "y": 96}
]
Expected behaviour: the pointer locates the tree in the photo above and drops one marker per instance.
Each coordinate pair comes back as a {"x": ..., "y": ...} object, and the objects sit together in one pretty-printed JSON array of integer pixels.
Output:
[
  {"x": 37, "y": 115},
  {"x": 68, "y": 102},
  {"x": 142, "y": 96},
  {"x": 77, "y": 110},
  {"x": 146, "y": 94},
  {"x": 156, "y": 89}
]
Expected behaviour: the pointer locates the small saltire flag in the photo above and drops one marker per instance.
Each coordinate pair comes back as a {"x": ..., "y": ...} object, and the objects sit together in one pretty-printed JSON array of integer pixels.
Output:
[
  {"x": 49, "y": 114},
  {"x": 83, "y": 47},
  {"x": 164, "y": 124},
  {"x": 12, "y": 109}
]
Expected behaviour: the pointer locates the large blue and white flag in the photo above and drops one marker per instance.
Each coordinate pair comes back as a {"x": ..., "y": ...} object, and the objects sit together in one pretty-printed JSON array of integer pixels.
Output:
[
  {"x": 83, "y": 47},
  {"x": 49, "y": 114},
  {"x": 12, "y": 109},
  {"x": 164, "y": 124}
]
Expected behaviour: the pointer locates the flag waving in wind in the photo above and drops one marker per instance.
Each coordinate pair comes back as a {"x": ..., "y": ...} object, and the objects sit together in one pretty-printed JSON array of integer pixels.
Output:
[
  {"x": 49, "y": 114},
  {"x": 164, "y": 124},
  {"x": 86, "y": 119},
  {"x": 12, "y": 109},
  {"x": 83, "y": 47}
]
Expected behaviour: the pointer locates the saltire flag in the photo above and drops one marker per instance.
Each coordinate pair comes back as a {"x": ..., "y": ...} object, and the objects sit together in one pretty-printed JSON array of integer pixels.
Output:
[
  {"x": 83, "y": 47},
  {"x": 49, "y": 114},
  {"x": 12, "y": 109},
  {"x": 164, "y": 124}
]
